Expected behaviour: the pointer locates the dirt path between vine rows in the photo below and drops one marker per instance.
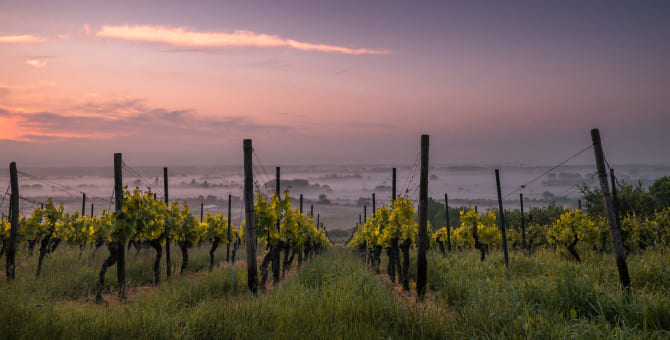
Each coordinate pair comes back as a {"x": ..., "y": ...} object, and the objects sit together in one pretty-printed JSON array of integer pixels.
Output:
[{"x": 428, "y": 305}]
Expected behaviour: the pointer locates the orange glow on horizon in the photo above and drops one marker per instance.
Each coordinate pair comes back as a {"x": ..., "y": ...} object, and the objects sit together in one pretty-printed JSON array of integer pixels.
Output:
[
  {"x": 10, "y": 130},
  {"x": 17, "y": 127}
]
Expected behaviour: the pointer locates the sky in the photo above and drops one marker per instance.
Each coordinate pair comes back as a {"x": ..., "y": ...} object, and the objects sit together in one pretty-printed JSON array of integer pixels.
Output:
[{"x": 332, "y": 82}]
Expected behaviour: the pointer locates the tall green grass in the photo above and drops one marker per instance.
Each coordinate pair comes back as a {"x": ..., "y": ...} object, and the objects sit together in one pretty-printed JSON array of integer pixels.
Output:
[
  {"x": 59, "y": 304},
  {"x": 332, "y": 296},
  {"x": 547, "y": 297},
  {"x": 70, "y": 273},
  {"x": 335, "y": 296}
]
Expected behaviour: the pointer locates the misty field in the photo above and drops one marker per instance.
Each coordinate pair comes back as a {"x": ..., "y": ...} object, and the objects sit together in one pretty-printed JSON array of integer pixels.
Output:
[{"x": 335, "y": 295}]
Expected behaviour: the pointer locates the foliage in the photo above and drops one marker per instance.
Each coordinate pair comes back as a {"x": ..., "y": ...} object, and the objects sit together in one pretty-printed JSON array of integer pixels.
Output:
[
  {"x": 75, "y": 229},
  {"x": 141, "y": 219},
  {"x": 295, "y": 228},
  {"x": 660, "y": 191},
  {"x": 214, "y": 228},
  {"x": 573, "y": 225},
  {"x": 182, "y": 225},
  {"x": 440, "y": 235},
  {"x": 396, "y": 222},
  {"x": 476, "y": 226},
  {"x": 266, "y": 215},
  {"x": 632, "y": 199},
  {"x": 436, "y": 214}
]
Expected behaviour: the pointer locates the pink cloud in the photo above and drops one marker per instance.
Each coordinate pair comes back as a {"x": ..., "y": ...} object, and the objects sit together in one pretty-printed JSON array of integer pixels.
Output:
[
  {"x": 181, "y": 36},
  {"x": 124, "y": 117},
  {"x": 21, "y": 39},
  {"x": 36, "y": 63}
]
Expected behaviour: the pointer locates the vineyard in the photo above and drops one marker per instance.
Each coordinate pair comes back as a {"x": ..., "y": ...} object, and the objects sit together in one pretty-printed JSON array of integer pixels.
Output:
[
  {"x": 563, "y": 230},
  {"x": 146, "y": 221},
  {"x": 407, "y": 271}
]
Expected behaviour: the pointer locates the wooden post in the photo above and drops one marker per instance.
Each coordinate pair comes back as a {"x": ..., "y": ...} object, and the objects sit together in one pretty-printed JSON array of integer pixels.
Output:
[
  {"x": 92, "y": 212},
  {"x": 276, "y": 249},
  {"x": 615, "y": 234},
  {"x": 317, "y": 221},
  {"x": 374, "y": 206},
  {"x": 202, "y": 209},
  {"x": 360, "y": 219},
  {"x": 311, "y": 211},
  {"x": 579, "y": 204},
  {"x": 13, "y": 220},
  {"x": 502, "y": 219},
  {"x": 446, "y": 215},
  {"x": 229, "y": 227},
  {"x": 118, "y": 192},
  {"x": 615, "y": 200},
  {"x": 393, "y": 185},
  {"x": 365, "y": 213},
  {"x": 168, "y": 263},
  {"x": 393, "y": 251},
  {"x": 523, "y": 224},
  {"x": 422, "y": 239},
  {"x": 83, "y": 204},
  {"x": 278, "y": 190},
  {"x": 302, "y": 251},
  {"x": 250, "y": 230}
]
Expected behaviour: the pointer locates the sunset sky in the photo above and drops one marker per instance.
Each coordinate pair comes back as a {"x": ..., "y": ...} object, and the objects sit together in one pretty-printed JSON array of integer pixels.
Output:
[{"x": 182, "y": 83}]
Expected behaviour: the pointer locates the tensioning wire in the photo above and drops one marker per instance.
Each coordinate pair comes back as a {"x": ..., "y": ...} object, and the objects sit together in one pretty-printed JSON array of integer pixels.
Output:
[
  {"x": 140, "y": 177},
  {"x": 53, "y": 185},
  {"x": 410, "y": 176},
  {"x": 523, "y": 186}
]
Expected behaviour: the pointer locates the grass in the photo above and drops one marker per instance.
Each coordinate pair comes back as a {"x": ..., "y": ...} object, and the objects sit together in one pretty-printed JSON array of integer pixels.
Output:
[
  {"x": 70, "y": 274},
  {"x": 332, "y": 296},
  {"x": 335, "y": 296},
  {"x": 547, "y": 297}
]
